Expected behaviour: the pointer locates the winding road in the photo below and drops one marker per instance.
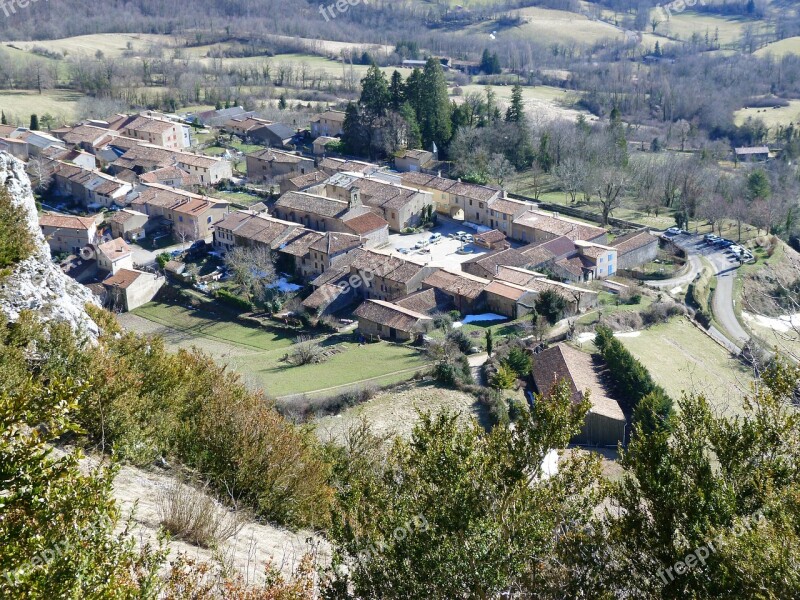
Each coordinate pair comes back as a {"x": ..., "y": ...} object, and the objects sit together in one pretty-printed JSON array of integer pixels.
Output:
[{"x": 734, "y": 335}]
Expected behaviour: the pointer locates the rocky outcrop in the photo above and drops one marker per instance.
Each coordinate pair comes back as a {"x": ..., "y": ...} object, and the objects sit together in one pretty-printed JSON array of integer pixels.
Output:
[{"x": 36, "y": 283}]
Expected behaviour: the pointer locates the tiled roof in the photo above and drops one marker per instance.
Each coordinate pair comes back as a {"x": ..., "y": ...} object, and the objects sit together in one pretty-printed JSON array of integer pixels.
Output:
[
  {"x": 299, "y": 244},
  {"x": 508, "y": 207},
  {"x": 633, "y": 241},
  {"x": 423, "y": 301},
  {"x": 308, "y": 179},
  {"x": 330, "y": 115},
  {"x": 389, "y": 315},
  {"x": 383, "y": 265},
  {"x": 311, "y": 203},
  {"x": 114, "y": 249},
  {"x": 333, "y": 243},
  {"x": 468, "y": 190},
  {"x": 457, "y": 284},
  {"x": 506, "y": 290},
  {"x": 276, "y": 156},
  {"x": 122, "y": 278},
  {"x": 487, "y": 264},
  {"x": 564, "y": 362},
  {"x": 322, "y": 296},
  {"x": 558, "y": 226},
  {"x": 491, "y": 237},
  {"x": 366, "y": 223},
  {"x": 66, "y": 221}
]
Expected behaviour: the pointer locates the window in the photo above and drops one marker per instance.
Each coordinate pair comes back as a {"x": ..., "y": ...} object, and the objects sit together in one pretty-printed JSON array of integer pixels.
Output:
[
  {"x": 470, "y": 201},
  {"x": 480, "y": 204},
  {"x": 208, "y": 220},
  {"x": 601, "y": 259},
  {"x": 610, "y": 257},
  {"x": 180, "y": 218},
  {"x": 505, "y": 217}
]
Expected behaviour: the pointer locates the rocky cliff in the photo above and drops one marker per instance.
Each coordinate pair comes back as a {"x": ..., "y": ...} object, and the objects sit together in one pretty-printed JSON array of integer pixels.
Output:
[{"x": 36, "y": 283}]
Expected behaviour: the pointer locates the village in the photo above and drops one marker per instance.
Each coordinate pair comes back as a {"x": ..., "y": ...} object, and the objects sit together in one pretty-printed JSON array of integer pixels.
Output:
[{"x": 380, "y": 251}]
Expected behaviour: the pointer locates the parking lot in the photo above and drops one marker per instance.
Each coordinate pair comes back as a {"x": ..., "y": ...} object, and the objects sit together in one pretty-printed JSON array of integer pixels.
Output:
[
  {"x": 443, "y": 253},
  {"x": 719, "y": 249}
]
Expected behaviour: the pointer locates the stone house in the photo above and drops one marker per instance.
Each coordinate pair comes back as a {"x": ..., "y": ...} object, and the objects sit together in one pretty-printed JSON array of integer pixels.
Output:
[
  {"x": 190, "y": 216},
  {"x": 389, "y": 321},
  {"x": 636, "y": 248},
  {"x": 129, "y": 289},
  {"x": 330, "y": 123},
  {"x": 114, "y": 255},
  {"x": 66, "y": 233},
  {"x": 269, "y": 164}
]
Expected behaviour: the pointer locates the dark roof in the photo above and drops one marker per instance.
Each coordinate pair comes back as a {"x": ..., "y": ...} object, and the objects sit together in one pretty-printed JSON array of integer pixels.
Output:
[
  {"x": 633, "y": 241},
  {"x": 389, "y": 315},
  {"x": 455, "y": 284},
  {"x": 491, "y": 237},
  {"x": 310, "y": 203},
  {"x": 486, "y": 264},
  {"x": 565, "y": 362},
  {"x": 333, "y": 243},
  {"x": 423, "y": 301},
  {"x": 280, "y": 130}
]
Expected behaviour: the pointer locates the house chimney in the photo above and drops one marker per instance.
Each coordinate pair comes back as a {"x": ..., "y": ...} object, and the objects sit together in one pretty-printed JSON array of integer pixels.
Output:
[{"x": 439, "y": 173}]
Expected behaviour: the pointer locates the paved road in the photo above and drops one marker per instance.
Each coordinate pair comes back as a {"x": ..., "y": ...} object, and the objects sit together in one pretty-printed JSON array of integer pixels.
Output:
[
  {"x": 723, "y": 301},
  {"x": 695, "y": 266}
]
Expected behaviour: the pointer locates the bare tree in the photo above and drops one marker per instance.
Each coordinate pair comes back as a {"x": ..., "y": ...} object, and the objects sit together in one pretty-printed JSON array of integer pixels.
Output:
[
  {"x": 252, "y": 269},
  {"x": 611, "y": 187}
]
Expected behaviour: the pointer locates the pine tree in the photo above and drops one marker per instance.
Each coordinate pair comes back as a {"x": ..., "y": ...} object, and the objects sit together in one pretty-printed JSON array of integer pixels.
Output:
[
  {"x": 282, "y": 103},
  {"x": 3, "y": 119},
  {"x": 353, "y": 135},
  {"x": 434, "y": 119},
  {"x": 489, "y": 342},
  {"x": 516, "y": 112},
  {"x": 375, "y": 95},
  {"x": 413, "y": 92},
  {"x": 413, "y": 135},
  {"x": 34, "y": 123},
  {"x": 396, "y": 91}
]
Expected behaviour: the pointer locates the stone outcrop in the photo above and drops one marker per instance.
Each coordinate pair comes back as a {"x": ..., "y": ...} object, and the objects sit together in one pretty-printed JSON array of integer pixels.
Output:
[{"x": 36, "y": 283}]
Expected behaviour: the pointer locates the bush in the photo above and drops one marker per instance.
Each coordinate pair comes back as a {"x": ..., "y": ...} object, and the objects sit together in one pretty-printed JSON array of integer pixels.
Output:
[
  {"x": 15, "y": 238},
  {"x": 551, "y": 306},
  {"x": 163, "y": 258},
  {"x": 661, "y": 312},
  {"x": 233, "y": 300},
  {"x": 194, "y": 516},
  {"x": 305, "y": 351},
  {"x": 504, "y": 378},
  {"x": 630, "y": 378},
  {"x": 653, "y": 413},
  {"x": 460, "y": 340},
  {"x": 519, "y": 361},
  {"x": 453, "y": 373}
]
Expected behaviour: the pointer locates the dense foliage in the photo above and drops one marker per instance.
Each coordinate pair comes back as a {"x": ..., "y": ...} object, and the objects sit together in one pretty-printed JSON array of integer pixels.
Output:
[
  {"x": 144, "y": 402},
  {"x": 15, "y": 238}
]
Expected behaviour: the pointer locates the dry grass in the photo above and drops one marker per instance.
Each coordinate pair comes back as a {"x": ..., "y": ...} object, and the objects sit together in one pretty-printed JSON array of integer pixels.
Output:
[{"x": 195, "y": 517}]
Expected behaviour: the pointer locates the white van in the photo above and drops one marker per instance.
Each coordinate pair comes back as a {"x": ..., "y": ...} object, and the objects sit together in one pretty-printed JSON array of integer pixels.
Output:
[{"x": 435, "y": 238}]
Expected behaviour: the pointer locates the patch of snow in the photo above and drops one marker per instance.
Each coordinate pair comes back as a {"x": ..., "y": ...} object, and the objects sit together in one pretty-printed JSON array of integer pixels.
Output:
[
  {"x": 782, "y": 324},
  {"x": 676, "y": 290},
  {"x": 586, "y": 336},
  {"x": 480, "y": 318},
  {"x": 285, "y": 286}
]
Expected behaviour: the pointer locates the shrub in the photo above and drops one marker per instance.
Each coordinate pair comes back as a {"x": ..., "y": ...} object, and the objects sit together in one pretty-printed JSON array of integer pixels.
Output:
[
  {"x": 661, "y": 312},
  {"x": 15, "y": 238},
  {"x": 504, "y": 378},
  {"x": 551, "y": 306},
  {"x": 233, "y": 300},
  {"x": 653, "y": 413},
  {"x": 305, "y": 351},
  {"x": 163, "y": 258},
  {"x": 460, "y": 340},
  {"x": 453, "y": 373},
  {"x": 630, "y": 378},
  {"x": 194, "y": 516},
  {"x": 519, "y": 361}
]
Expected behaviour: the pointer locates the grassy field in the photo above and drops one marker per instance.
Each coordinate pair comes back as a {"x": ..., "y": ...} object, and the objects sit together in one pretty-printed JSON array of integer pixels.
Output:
[
  {"x": 781, "y": 48},
  {"x": 683, "y": 359},
  {"x": 772, "y": 117},
  {"x": 397, "y": 412},
  {"x": 19, "y": 105},
  {"x": 682, "y": 25},
  {"x": 256, "y": 353},
  {"x": 558, "y": 26},
  {"x": 112, "y": 45}
]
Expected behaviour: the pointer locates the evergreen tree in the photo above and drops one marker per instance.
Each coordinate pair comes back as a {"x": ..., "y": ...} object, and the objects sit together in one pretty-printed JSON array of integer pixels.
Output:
[
  {"x": 413, "y": 134},
  {"x": 34, "y": 126},
  {"x": 396, "y": 91},
  {"x": 434, "y": 119},
  {"x": 490, "y": 63},
  {"x": 516, "y": 112},
  {"x": 489, "y": 341},
  {"x": 282, "y": 103},
  {"x": 375, "y": 97},
  {"x": 413, "y": 92},
  {"x": 354, "y": 137},
  {"x": 3, "y": 119}
]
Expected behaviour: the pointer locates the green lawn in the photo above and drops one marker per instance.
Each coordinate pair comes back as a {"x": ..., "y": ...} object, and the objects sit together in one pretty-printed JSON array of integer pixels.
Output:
[
  {"x": 256, "y": 352},
  {"x": 682, "y": 358}
]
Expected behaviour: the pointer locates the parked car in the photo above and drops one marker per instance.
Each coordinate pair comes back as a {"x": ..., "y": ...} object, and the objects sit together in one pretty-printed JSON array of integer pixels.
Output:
[
  {"x": 468, "y": 238},
  {"x": 460, "y": 234},
  {"x": 435, "y": 238},
  {"x": 673, "y": 231},
  {"x": 403, "y": 250},
  {"x": 420, "y": 244},
  {"x": 710, "y": 238}
]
